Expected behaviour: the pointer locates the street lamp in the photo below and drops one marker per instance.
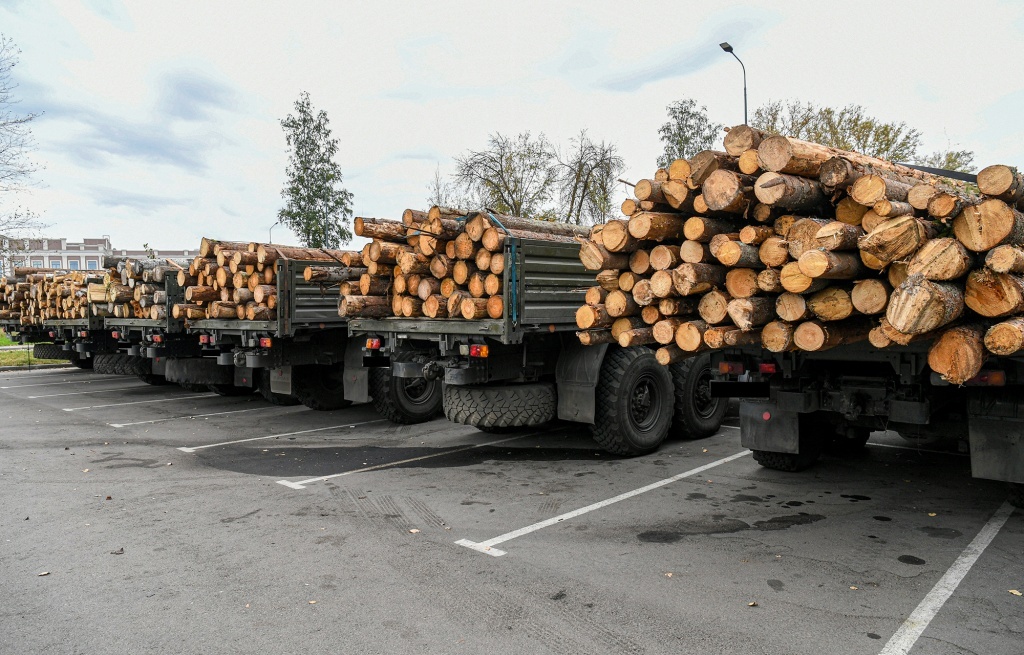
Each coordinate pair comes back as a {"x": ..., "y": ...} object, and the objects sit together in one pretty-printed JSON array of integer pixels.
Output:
[
  {"x": 728, "y": 48},
  {"x": 270, "y": 236}
]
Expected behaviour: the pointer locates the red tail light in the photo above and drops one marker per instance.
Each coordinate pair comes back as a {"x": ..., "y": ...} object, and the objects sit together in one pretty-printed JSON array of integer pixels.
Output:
[
  {"x": 730, "y": 368},
  {"x": 373, "y": 344},
  {"x": 766, "y": 368},
  {"x": 115, "y": 334},
  {"x": 479, "y": 351},
  {"x": 204, "y": 339},
  {"x": 265, "y": 342},
  {"x": 158, "y": 338},
  {"x": 988, "y": 379}
]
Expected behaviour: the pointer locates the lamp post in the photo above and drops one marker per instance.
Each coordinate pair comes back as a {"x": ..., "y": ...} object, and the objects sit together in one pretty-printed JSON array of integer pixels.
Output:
[
  {"x": 728, "y": 48},
  {"x": 270, "y": 236}
]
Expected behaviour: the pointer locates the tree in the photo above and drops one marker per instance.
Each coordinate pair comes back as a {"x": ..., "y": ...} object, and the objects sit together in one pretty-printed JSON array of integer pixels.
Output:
[
  {"x": 514, "y": 175},
  {"x": 443, "y": 193},
  {"x": 317, "y": 207},
  {"x": 950, "y": 160},
  {"x": 587, "y": 177},
  {"x": 687, "y": 132}
]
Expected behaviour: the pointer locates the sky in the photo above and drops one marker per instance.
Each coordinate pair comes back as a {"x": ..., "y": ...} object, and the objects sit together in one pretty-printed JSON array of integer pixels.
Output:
[{"x": 160, "y": 120}]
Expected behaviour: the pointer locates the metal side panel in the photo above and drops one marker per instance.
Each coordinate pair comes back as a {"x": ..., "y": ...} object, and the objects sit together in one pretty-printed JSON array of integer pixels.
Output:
[
  {"x": 281, "y": 380},
  {"x": 576, "y": 374},
  {"x": 356, "y": 376},
  {"x": 996, "y": 436}
]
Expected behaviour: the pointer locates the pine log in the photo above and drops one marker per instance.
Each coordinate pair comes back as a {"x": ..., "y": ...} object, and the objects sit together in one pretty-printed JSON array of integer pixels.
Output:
[
  {"x": 640, "y": 262},
  {"x": 941, "y": 259},
  {"x": 629, "y": 207},
  {"x": 475, "y": 284},
  {"x": 494, "y": 239},
  {"x": 706, "y": 162},
  {"x": 748, "y": 164},
  {"x": 695, "y": 252},
  {"x": 607, "y": 280},
  {"x": 921, "y": 194},
  {"x": 455, "y": 303},
  {"x": 399, "y": 283},
  {"x": 789, "y": 192},
  {"x": 364, "y": 306},
  {"x": 463, "y": 270},
  {"x": 482, "y": 260},
  {"x": 597, "y": 258},
  {"x": 492, "y": 285},
  {"x": 871, "y": 220},
  {"x": 892, "y": 208},
  {"x": 595, "y": 295},
  {"x": 830, "y": 265},
  {"x": 870, "y": 189},
  {"x": 1006, "y": 338},
  {"x": 742, "y": 138},
  {"x": 671, "y": 354},
  {"x": 474, "y": 308},
  {"x": 648, "y": 190},
  {"x": 192, "y": 295},
  {"x": 755, "y": 235},
  {"x": 222, "y": 310},
  {"x": 897, "y": 273},
  {"x": 266, "y": 254},
  {"x": 690, "y": 279},
  {"x": 777, "y": 337},
  {"x": 679, "y": 169},
  {"x": 838, "y": 236},
  {"x": 742, "y": 283},
  {"x": 958, "y": 355},
  {"x": 850, "y": 212},
  {"x": 464, "y": 248},
  {"x": 994, "y": 294},
  {"x": 678, "y": 196},
  {"x": 739, "y": 255},
  {"x": 728, "y": 337},
  {"x": 803, "y": 235},
  {"x": 919, "y": 305},
  {"x": 412, "y": 307},
  {"x": 747, "y": 313},
  {"x": 728, "y": 191},
  {"x": 664, "y": 331},
  {"x": 589, "y": 318},
  {"x": 714, "y": 307},
  {"x": 428, "y": 286},
  {"x": 188, "y": 312},
  {"x": 703, "y": 229},
  {"x": 719, "y": 240},
  {"x": 656, "y": 226},
  {"x": 782, "y": 154},
  {"x": 620, "y": 325},
  {"x": 643, "y": 293},
  {"x": 792, "y": 307},
  {"x": 448, "y": 287},
  {"x": 663, "y": 283},
  {"x": 637, "y": 337},
  {"x": 831, "y": 304},
  {"x": 768, "y": 281},
  {"x": 947, "y": 205},
  {"x": 774, "y": 252},
  {"x": 524, "y": 225},
  {"x": 411, "y": 217},
  {"x": 764, "y": 213},
  {"x": 870, "y": 296},
  {"x": 676, "y": 306},
  {"x": 1003, "y": 182},
  {"x": 815, "y": 336},
  {"x": 989, "y": 224},
  {"x": 441, "y": 266},
  {"x": 323, "y": 274},
  {"x": 262, "y": 292},
  {"x": 690, "y": 336},
  {"x": 794, "y": 280},
  {"x": 595, "y": 337},
  {"x": 783, "y": 224},
  {"x": 664, "y": 257},
  {"x": 379, "y": 228},
  {"x": 207, "y": 246},
  {"x": 1006, "y": 259},
  {"x": 444, "y": 213},
  {"x": 897, "y": 238},
  {"x": 616, "y": 237},
  {"x": 627, "y": 280}
]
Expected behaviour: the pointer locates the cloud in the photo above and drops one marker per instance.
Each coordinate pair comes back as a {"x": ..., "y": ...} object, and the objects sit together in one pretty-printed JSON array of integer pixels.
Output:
[
  {"x": 141, "y": 202},
  {"x": 191, "y": 96}
]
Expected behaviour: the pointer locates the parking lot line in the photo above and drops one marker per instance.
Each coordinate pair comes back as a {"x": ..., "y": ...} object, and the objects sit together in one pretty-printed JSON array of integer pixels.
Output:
[
  {"x": 302, "y": 483},
  {"x": 917, "y": 450},
  {"x": 487, "y": 547},
  {"x": 141, "y": 402},
  {"x": 82, "y": 393},
  {"x": 50, "y": 384},
  {"x": 915, "y": 625},
  {"x": 192, "y": 449},
  {"x": 176, "y": 418}
]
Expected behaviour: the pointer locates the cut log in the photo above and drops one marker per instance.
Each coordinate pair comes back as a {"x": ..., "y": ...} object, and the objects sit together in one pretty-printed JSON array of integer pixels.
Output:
[
  {"x": 365, "y": 306},
  {"x": 262, "y": 292},
  {"x": 783, "y": 224},
  {"x": 714, "y": 307},
  {"x": 676, "y": 306},
  {"x": 492, "y": 285},
  {"x": 656, "y": 226},
  {"x": 607, "y": 280},
  {"x": 706, "y": 162},
  {"x": 629, "y": 207},
  {"x": 474, "y": 308},
  {"x": 413, "y": 217},
  {"x": 475, "y": 284},
  {"x": 640, "y": 262},
  {"x": 643, "y": 293},
  {"x": 1006, "y": 259},
  {"x": 989, "y": 224},
  {"x": 748, "y": 164},
  {"x": 774, "y": 252},
  {"x": 768, "y": 281},
  {"x": 921, "y": 194},
  {"x": 742, "y": 283},
  {"x": 897, "y": 273},
  {"x": 690, "y": 279},
  {"x": 695, "y": 252},
  {"x": 192, "y": 295},
  {"x": 616, "y": 237},
  {"x": 838, "y": 236},
  {"x": 679, "y": 169},
  {"x": 455, "y": 303},
  {"x": 803, "y": 235},
  {"x": 794, "y": 281},
  {"x": 589, "y": 318},
  {"x": 441, "y": 266},
  {"x": 958, "y": 355},
  {"x": 994, "y": 294},
  {"x": 850, "y": 212},
  {"x": 595, "y": 295},
  {"x": 260, "y": 313},
  {"x": 782, "y": 154},
  {"x": 671, "y": 354},
  {"x": 445, "y": 213},
  {"x": 637, "y": 337},
  {"x": 597, "y": 258},
  {"x": 719, "y": 240},
  {"x": 321, "y": 274},
  {"x": 831, "y": 304},
  {"x": 897, "y": 238},
  {"x": 792, "y": 307},
  {"x": 620, "y": 325},
  {"x": 678, "y": 196},
  {"x": 789, "y": 192},
  {"x": 871, "y": 220},
  {"x": 941, "y": 259},
  {"x": 266, "y": 254},
  {"x": 665, "y": 330},
  {"x": 747, "y": 313},
  {"x": 379, "y": 228},
  {"x": 482, "y": 260},
  {"x": 872, "y": 188},
  {"x": 739, "y": 255},
  {"x": 947, "y": 205},
  {"x": 595, "y": 337},
  {"x": 427, "y": 287},
  {"x": 493, "y": 238},
  {"x": 703, "y": 228},
  {"x": 727, "y": 337},
  {"x": 728, "y": 191},
  {"x": 627, "y": 280},
  {"x": 777, "y": 337},
  {"x": 664, "y": 257},
  {"x": 892, "y": 208},
  {"x": 648, "y": 190},
  {"x": 372, "y": 285},
  {"x": 742, "y": 138},
  {"x": 188, "y": 312},
  {"x": 1006, "y": 338},
  {"x": 764, "y": 213},
  {"x": 207, "y": 246},
  {"x": 919, "y": 305},
  {"x": 815, "y": 336},
  {"x": 870, "y": 296},
  {"x": 463, "y": 248},
  {"x": 1003, "y": 182},
  {"x": 663, "y": 283},
  {"x": 690, "y": 336},
  {"x": 830, "y": 265},
  {"x": 755, "y": 235}
]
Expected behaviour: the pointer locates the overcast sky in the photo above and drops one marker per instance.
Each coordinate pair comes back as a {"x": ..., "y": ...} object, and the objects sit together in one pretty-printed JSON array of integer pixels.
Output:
[{"x": 161, "y": 118}]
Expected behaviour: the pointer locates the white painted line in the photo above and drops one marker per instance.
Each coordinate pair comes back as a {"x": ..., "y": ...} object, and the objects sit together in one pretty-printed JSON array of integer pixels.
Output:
[
  {"x": 50, "y": 384},
  {"x": 302, "y": 483},
  {"x": 141, "y": 402},
  {"x": 177, "y": 418},
  {"x": 82, "y": 393},
  {"x": 487, "y": 547},
  {"x": 918, "y": 450},
  {"x": 192, "y": 449},
  {"x": 731, "y": 427},
  {"x": 915, "y": 625}
]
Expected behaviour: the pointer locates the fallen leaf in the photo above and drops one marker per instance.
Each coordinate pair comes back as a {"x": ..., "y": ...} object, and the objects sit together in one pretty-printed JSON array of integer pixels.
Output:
[
  {"x": 854, "y": 588},
  {"x": 85, "y": 470},
  {"x": 1015, "y": 592},
  {"x": 669, "y": 574},
  {"x": 119, "y": 551},
  {"x": 170, "y": 463},
  {"x": 43, "y": 573},
  {"x": 413, "y": 530},
  {"x": 110, "y": 498},
  {"x": 752, "y": 603},
  {"x": 312, "y": 602},
  {"x": 931, "y": 514},
  {"x": 247, "y": 604},
  {"x": 705, "y": 450}
]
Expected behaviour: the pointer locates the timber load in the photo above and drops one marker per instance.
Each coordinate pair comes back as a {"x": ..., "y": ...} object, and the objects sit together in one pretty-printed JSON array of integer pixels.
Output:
[
  {"x": 794, "y": 246},
  {"x": 133, "y": 287},
  {"x": 22, "y": 296},
  {"x": 440, "y": 263}
]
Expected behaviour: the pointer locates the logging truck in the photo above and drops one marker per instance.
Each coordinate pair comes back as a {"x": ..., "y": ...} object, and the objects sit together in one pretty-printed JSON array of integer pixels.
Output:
[{"x": 528, "y": 367}]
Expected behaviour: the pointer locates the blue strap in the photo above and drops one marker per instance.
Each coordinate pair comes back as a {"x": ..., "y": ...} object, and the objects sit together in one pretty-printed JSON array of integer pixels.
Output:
[{"x": 514, "y": 273}]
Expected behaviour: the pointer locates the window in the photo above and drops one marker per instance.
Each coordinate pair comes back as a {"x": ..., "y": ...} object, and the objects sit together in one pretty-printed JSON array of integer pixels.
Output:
[
  {"x": 55, "y": 263},
  {"x": 92, "y": 265},
  {"x": 37, "y": 263},
  {"x": 74, "y": 264}
]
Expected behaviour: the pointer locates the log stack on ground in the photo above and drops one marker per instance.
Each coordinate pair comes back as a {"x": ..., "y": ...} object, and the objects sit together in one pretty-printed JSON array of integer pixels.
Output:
[{"x": 792, "y": 245}]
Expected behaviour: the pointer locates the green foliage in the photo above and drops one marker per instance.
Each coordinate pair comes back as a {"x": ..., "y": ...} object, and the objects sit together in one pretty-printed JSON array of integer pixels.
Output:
[
  {"x": 513, "y": 175},
  {"x": 950, "y": 160},
  {"x": 317, "y": 207},
  {"x": 687, "y": 132}
]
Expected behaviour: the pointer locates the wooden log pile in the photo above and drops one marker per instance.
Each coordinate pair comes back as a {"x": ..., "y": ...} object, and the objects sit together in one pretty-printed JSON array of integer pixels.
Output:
[
  {"x": 233, "y": 280},
  {"x": 792, "y": 245},
  {"x": 133, "y": 288},
  {"x": 18, "y": 291},
  {"x": 442, "y": 263},
  {"x": 54, "y": 295}
]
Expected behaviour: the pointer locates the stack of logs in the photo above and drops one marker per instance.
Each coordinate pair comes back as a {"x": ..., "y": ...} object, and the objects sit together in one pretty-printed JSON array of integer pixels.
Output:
[
  {"x": 790, "y": 245},
  {"x": 60, "y": 295},
  {"x": 133, "y": 288},
  {"x": 17, "y": 292},
  {"x": 442, "y": 263},
  {"x": 231, "y": 280}
]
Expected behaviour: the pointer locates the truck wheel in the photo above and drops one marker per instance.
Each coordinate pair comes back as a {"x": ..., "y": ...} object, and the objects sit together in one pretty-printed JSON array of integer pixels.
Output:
[
  {"x": 49, "y": 351},
  {"x": 320, "y": 387},
  {"x": 106, "y": 363},
  {"x": 814, "y": 434},
  {"x": 493, "y": 409},
  {"x": 633, "y": 402},
  {"x": 281, "y": 399},
  {"x": 404, "y": 400},
  {"x": 1016, "y": 494},
  {"x": 80, "y": 361},
  {"x": 697, "y": 414}
]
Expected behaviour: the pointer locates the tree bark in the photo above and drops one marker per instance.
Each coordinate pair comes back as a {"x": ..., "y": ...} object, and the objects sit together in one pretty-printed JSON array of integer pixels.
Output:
[
  {"x": 728, "y": 191},
  {"x": 919, "y": 305},
  {"x": 595, "y": 337},
  {"x": 829, "y": 265},
  {"x": 379, "y": 228},
  {"x": 989, "y": 224},
  {"x": 656, "y": 226},
  {"x": 777, "y": 337},
  {"x": 994, "y": 294},
  {"x": 815, "y": 336},
  {"x": 789, "y": 192},
  {"x": 958, "y": 355},
  {"x": 266, "y": 254},
  {"x": 690, "y": 279},
  {"x": 941, "y": 259},
  {"x": 1006, "y": 338},
  {"x": 596, "y": 258},
  {"x": 768, "y": 281}
]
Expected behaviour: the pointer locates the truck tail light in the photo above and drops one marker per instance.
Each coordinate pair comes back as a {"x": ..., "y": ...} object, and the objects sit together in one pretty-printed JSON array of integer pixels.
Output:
[
  {"x": 766, "y": 368},
  {"x": 158, "y": 338},
  {"x": 83, "y": 334},
  {"x": 989, "y": 379},
  {"x": 204, "y": 339},
  {"x": 373, "y": 344},
  {"x": 479, "y": 351},
  {"x": 52, "y": 334},
  {"x": 115, "y": 334},
  {"x": 730, "y": 368},
  {"x": 265, "y": 342}
]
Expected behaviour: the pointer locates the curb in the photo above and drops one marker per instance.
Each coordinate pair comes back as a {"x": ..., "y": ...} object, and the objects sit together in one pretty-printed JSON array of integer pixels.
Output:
[{"x": 36, "y": 367}]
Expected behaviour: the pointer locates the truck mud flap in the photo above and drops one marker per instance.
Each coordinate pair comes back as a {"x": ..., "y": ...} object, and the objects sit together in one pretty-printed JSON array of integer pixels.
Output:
[
  {"x": 996, "y": 436},
  {"x": 764, "y": 426},
  {"x": 576, "y": 376},
  {"x": 281, "y": 380},
  {"x": 356, "y": 377}
]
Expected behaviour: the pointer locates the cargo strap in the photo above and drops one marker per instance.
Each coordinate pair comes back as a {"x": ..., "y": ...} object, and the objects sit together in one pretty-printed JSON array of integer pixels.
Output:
[{"x": 513, "y": 273}]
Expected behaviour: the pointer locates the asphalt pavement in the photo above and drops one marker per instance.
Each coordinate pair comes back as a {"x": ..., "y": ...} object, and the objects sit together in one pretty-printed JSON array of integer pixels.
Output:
[{"x": 149, "y": 519}]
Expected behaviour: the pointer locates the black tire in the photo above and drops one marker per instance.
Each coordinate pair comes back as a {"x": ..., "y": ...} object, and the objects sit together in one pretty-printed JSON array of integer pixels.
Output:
[
  {"x": 106, "y": 363},
  {"x": 1016, "y": 495},
  {"x": 49, "y": 351},
  {"x": 405, "y": 401},
  {"x": 230, "y": 390},
  {"x": 82, "y": 362},
  {"x": 138, "y": 366},
  {"x": 200, "y": 371},
  {"x": 814, "y": 436},
  {"x": 320, "y": 387},
  {"x": 498, "y": 408},
  {"x": 281, "y": 399},
  {"x": 633, "y": 402},
  {"x": 696, "y": 414},
  {"x": 123, "y": 365}
]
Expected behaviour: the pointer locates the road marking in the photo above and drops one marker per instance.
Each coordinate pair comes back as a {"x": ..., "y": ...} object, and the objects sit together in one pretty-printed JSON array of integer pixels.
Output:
[
  {"x": 141, "y": 402},
  {"x": 487, "y": 548},
  {"x": 192, "y": 449},
  {"x": 82, "y": 393},
  {"x": 915, "y": 625},
  {"x": 918, "y": 450},
  {"x": 302, "y": 483},
  {"x": 50, "y": 384},
  {"x": 175, "y": 418}
]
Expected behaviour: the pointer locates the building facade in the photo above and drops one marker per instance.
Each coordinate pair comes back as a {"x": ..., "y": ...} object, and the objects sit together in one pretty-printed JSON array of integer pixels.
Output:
[{"x": 72, "y": 255}]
